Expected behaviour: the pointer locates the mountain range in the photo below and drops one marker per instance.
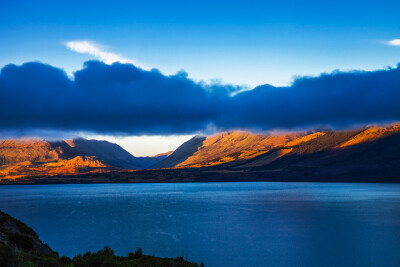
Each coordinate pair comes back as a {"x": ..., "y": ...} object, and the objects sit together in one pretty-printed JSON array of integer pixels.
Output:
[
  {"x": 368, "y": 154},
  {"x": 32, "y": 157}
]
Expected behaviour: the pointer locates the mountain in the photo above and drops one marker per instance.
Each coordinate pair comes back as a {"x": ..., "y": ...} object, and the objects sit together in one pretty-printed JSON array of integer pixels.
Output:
[
  {"x": 251, "y": 150},
  {"x": 224, "y": 147},
  {"x": 113, "y": 154},
  {"x": 32, "y": 158},
  {"x": 13, "y": 151},
  {"x": 371, "y": 153},
  {"x": 163, "y": 155},
  {"x": 186, "y": 150},
  {"x": 368, "y": 154},
  {"x": 20, "y": 246}
]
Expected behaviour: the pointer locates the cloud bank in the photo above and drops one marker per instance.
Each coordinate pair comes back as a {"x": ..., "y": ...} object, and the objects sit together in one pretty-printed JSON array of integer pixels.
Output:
[
  {"x": 91, "y": 48},
  {"x": 124, "y": 99},
  {"x": 394, "y": 42}
]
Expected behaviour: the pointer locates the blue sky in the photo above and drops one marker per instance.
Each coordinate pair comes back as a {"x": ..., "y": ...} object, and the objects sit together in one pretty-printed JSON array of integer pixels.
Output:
[
  {"x": 240, "y": 42},
  {"x": 237, "y": 42}
]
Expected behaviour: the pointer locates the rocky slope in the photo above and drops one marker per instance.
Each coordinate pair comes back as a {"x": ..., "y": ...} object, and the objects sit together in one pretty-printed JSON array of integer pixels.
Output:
[
  {"x": 251, "y": 150},
  {"x": 181, "y": 154},
  {"x": 32, "y": 158},
  {"x": 228, "y": 146},
  {"x": 16, "y": 236},
  {"x": 14, "y": 151}
]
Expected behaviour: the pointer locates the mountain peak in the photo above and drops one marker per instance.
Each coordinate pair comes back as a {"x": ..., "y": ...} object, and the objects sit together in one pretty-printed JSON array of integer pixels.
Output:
[{"x": 166, "y": 154}]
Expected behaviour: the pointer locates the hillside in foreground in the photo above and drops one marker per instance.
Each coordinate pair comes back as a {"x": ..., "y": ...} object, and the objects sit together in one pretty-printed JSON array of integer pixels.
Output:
[{"x": 20, "y": 246}]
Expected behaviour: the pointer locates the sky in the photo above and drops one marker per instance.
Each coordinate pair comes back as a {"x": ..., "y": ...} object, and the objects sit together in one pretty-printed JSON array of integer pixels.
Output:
[{"x": 231, "y": 45}]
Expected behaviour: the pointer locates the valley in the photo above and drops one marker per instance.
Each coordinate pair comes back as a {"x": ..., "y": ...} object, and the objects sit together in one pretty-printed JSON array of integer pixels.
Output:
[{"x": 368, "y": 154}]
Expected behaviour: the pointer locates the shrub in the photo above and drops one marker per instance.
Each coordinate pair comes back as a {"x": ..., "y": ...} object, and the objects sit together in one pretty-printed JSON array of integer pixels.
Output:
[
  {"x": 27, "y": 264},
  {"x": 138, "y": 253}
]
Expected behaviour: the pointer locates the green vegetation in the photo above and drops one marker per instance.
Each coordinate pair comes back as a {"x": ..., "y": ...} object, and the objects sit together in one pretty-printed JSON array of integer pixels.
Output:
[
  {"x": 105, "y": 257},
  {"x": 21, "y": 247}
]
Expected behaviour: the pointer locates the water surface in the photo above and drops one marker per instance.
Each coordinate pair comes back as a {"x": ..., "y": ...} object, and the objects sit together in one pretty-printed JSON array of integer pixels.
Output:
[{"x": 221, "y": 224}]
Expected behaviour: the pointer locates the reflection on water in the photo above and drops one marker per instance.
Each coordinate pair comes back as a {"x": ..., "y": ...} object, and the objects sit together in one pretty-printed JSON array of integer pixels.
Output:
[{"x": 221, "y": 224}]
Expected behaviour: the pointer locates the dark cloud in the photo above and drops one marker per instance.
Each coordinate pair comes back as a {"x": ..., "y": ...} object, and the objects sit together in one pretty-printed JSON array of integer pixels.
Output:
[
  {"x": 339, "y": 99},
  {"x": 124, "y": 99}
]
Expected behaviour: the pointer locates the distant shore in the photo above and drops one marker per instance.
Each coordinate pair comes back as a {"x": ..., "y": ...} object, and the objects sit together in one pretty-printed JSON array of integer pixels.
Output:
[{"x": 193, "y": 175}]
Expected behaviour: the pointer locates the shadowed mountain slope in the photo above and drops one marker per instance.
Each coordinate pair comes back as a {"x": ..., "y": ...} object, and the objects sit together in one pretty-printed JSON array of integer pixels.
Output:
[
  {"x": 317, "y": 160},
  {"x": 254, "y": 150},
  {"x": 112, "y": 154},
  {"x": 225, "y": 147},
  {"x": 372, "y": 144},
  {"x": 324, "y": 159},
  {"x": 186, "y": 150},
  {"x": 231, "y": 146},
  {"x": 369, "y": 154}
]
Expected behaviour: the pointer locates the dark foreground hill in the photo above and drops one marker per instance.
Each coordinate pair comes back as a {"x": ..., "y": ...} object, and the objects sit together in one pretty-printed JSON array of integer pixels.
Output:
[{"x": 21, "y": 246}]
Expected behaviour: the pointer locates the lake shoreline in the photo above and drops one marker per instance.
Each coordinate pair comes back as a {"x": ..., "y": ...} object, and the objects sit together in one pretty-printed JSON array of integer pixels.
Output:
[{"x": 139, "y": 177}]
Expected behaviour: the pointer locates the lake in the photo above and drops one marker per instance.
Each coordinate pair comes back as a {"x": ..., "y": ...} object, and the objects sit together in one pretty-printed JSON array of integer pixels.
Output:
[{"x": 221, "y": 224}]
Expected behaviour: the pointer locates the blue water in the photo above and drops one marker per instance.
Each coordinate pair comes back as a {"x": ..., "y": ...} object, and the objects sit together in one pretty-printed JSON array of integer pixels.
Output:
[{"x": 221, "y": 224}]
